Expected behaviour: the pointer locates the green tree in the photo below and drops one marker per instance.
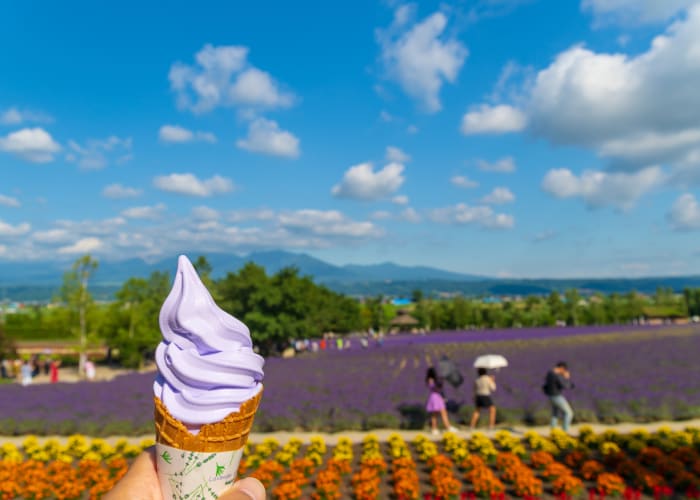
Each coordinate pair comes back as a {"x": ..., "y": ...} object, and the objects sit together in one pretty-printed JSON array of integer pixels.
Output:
[
  {"x": 76, "y": 296},
  {"x": 288, "y": 306},
  {"x": 204, "y": 271},
  {"x": 572, "y": 307},
  {"x": 7, "y": 347},
  {"x": 130, "y": 326}
]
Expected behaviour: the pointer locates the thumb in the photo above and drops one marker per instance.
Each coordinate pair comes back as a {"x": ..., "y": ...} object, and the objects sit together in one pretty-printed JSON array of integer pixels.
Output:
[{"x": 245, "y": 489}]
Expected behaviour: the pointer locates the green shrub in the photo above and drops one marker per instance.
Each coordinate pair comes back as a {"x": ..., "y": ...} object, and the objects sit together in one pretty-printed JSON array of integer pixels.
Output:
[
  {"x": 585, "y": 415},
  {"x": 634, "y": 446},
  {"x": 382, "y": 421}
]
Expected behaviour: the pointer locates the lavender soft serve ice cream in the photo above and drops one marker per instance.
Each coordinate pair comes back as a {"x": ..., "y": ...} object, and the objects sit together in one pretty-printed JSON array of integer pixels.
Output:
[{"x": 206, "y": 365}]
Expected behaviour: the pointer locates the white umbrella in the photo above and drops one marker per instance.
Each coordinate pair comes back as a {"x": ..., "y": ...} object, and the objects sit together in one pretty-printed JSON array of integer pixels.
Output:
[{"x": 491, "y": 361}]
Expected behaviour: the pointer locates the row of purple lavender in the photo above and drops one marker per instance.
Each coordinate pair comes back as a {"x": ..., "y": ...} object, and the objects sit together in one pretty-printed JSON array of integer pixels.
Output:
[{"x": 620, "y": 374}]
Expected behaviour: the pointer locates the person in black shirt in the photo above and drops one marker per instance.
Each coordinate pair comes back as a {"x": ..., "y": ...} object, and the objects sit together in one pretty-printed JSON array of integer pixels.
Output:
[{"x": 558, "y": 379}]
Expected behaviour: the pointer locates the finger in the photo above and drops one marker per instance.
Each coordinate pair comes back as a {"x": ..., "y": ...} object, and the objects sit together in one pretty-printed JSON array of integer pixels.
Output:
[
  {"x": 140, "y": 482},
  {"x": 245, "y": 489}
]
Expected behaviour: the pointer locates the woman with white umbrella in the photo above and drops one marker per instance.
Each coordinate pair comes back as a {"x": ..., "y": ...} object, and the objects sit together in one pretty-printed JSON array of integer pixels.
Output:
[{"x": 484, "y": 386}]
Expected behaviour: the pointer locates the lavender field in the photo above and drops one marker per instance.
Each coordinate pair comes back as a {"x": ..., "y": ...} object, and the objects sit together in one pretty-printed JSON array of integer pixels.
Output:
[{"x": 626, "y": 375}]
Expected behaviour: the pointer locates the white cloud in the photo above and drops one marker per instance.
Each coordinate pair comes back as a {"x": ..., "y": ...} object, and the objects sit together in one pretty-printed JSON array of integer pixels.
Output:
[
  {"x": 8, "y": 230},
  {"x": 263, "y": 214},
  {"x": 544, "y": 236},
  {"x": 401, "y": 199},
  {"x": 599, "y": 189},
  {"x": 14, "y": 116},
  {"x": 380, "y": 215},
  {"x": 409, "y": 214},
  {"x": 385, "y": 116},
  {"x": 222, "y": 76},
  {"x": 31, "y": 144},
  {"x": 634, "y": 11},
  {"x": 504, "y": 165},
  {"x": 685, "y": 213},
  {"x": 421, "y": 57},
  {"x": 178, "y": 134},
  {"x": 82, "y": 246},
  {"x": 412, "y": 129},
  {"x": 479, "y": 215},
  {"x": 256, "y": 88},
  {"x": 9, "y": 201},
  {"x": 103, "y": 227},
  {"x": 96, "y": 154},
  {"x": 52, "y": 236},
  {"x": 144, "y": 212},
  {"x": 328, "y": 223},
  {"x": 265, "y": 136},
  {"x": 635, "y": 110},
  {"x": 240, "y": 231},
  {"x": 463, "y": 181},
  {"x": 117, "y": 191},
  {"x": 499, "y": 196},
  {"x": 361, "y": 182},
  {"x": 394, "y": 154},
  {"x": 205, "y": 213},
  {"x": 635, "y": 267},
  {"x": 190, "y": 185},
  {"x": 499, "y": 119}
]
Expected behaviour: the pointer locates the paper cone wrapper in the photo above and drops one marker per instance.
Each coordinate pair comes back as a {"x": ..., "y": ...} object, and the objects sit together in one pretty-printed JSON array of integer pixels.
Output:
[{"x": 204, "y": 465}]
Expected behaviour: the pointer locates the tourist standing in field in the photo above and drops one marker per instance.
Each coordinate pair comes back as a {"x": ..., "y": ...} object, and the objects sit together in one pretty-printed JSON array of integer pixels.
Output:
[
  {"x": 436, "y": 402},
  {"x": 26, "y": 373},
  {"x": 90, "y": 370},
  {"x": 558, "y": 379},
  {"x": 53, "y": 369},
  {"x": 484, "y": 386}
]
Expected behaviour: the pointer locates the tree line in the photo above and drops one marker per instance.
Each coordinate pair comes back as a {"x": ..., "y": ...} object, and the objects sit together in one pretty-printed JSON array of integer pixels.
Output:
[{"x": 283, "y": 306}]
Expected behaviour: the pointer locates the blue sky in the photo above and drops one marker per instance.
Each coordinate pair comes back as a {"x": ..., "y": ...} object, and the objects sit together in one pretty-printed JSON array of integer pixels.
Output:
[{"x": 496, "y": 137}]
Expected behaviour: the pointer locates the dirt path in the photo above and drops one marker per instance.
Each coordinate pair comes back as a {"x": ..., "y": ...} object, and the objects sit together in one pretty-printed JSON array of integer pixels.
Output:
[{"x": 383, "y": 434}]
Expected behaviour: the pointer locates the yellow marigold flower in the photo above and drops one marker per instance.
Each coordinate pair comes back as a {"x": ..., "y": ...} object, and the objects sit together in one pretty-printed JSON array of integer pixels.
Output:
[
  {"x": 92, "y": 455},
  {"x": 147, "y": 443},
  {"x": 609, "y": 447}
]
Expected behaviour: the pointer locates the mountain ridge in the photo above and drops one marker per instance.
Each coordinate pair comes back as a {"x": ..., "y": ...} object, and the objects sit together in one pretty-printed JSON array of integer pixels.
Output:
[{"x": 39, "y": 281}]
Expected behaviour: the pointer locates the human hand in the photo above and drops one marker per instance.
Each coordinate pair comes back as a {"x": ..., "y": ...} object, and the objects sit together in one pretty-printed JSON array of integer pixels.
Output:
[{"x": 141, "y": 483}]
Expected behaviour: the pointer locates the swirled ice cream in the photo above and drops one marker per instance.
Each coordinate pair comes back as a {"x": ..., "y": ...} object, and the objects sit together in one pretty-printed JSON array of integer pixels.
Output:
[{"x": 206, "y": 364}]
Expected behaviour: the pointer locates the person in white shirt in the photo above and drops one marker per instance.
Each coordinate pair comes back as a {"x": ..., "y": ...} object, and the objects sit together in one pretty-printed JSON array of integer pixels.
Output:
[{"x": 484, "y": 386}]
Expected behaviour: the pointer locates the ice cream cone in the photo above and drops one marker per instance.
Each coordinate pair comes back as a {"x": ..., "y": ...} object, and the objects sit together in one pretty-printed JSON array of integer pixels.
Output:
[{"x": 228, "y": 434}]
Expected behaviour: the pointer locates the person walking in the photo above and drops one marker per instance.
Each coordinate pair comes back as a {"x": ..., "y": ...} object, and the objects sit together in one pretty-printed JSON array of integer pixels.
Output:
[
  {"x": 484, "y": 386},
  {"x": 53, "y": 369},
  {"x": 436, "y": 402},
  {"x": 447, "y": 370},
  {"x": 26, "y": 373},
  {"x": 558, "y": 379},
  {"x": 90, "y": 371}
]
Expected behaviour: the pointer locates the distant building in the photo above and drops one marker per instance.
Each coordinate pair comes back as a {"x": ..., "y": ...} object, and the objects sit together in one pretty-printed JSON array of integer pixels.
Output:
[
  {"x": 656, "y": 315},
  {"x": 491, "y": 300},
  {"x": 403, "y": 321}
]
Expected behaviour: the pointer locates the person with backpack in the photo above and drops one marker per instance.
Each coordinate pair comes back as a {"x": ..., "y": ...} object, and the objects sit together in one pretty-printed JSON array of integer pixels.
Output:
[
  {"x": 557, "y": 380},
  {"x": 447, "y": 370}
]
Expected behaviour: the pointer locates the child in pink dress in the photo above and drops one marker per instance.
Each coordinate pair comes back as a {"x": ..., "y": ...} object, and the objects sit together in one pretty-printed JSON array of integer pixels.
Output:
[{"x": 436, "y": 403}]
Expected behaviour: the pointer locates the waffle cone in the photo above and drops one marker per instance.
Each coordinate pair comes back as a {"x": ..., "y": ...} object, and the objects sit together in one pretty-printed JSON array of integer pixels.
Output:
[{"x": 230, "y": 433}]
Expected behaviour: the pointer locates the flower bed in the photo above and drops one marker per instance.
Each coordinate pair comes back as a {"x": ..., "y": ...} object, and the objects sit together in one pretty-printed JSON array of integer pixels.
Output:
[{"x": 455, "y": 468}]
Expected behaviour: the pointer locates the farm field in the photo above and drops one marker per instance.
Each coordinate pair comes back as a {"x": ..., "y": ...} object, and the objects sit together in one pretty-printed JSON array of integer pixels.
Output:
[
  {"x": 639, "y": 464},
  {"x": 636, "y": 375}
]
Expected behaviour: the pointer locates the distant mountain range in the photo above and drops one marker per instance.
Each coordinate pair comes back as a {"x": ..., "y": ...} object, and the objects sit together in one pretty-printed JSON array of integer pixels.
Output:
[{"x": 40, "y": 280}]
